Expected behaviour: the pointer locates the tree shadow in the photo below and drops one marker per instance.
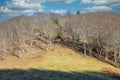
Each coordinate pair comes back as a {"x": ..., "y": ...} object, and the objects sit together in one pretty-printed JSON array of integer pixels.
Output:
[
  {"x": 35, "y": 74},
  {"x": 79, "y": 48},
  {"x": 74, "y": 46}
]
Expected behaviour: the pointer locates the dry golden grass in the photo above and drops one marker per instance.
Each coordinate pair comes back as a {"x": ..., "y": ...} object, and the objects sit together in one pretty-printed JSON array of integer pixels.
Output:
[
  {"x": 53, "y": 59},
  {"x": 112, "y": 71},
  {"x": 59, "y": 59}
]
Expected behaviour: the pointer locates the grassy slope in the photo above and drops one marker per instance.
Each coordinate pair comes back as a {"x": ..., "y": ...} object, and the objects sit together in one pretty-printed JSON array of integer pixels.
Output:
[{"x": 58, "y": 64}]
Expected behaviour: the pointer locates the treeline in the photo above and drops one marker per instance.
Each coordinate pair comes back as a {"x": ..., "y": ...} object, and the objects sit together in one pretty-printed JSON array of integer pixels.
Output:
[
  {"x": 97, "y": 33},
  {"x": 19, "y": 31}
]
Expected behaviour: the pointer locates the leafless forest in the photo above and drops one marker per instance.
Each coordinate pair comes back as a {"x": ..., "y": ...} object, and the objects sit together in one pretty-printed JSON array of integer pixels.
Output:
[{"x": 94, "y": 34}]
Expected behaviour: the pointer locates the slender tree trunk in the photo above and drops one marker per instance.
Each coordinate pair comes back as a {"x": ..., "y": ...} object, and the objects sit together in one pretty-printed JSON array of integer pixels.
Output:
[
  {"x": 90, "y": 52},
  {"x": 47, "y": 47},
  {"x": 73, "y": 39},
  {"x": 119, "y": 57},
  {"x": 3, "y": 48},
  {"x": 99, "y": 53},
  {"x": 85, "y": 52},
  {"x": 106, "y": 55},
  {"x": 20, "y": 54},
  {"x": 49, "y": 43},
  {"x": 78, "y": 40},
  {"x": 115, "y": 57},
  {"x": 31, "y": 43},
  {"x": 23, "y": 50}
]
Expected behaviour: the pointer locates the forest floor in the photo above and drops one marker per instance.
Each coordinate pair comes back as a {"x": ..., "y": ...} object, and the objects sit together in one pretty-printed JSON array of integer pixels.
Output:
[{"x": 59, "y": 63}]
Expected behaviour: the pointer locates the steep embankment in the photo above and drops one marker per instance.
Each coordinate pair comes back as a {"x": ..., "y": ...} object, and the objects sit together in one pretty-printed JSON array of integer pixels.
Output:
[{"x": 57, "y": 64}]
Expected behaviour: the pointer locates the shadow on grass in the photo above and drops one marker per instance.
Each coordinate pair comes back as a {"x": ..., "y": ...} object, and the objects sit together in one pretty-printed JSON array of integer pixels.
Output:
[
  {"x": 74, "y": 46},
  {"x": 35, "y": 74},
  {"x": 80, "y": 49}
]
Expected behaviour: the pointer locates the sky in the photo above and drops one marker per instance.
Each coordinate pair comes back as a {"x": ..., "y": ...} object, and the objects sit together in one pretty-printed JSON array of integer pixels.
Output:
[{"x": 13, "y": 8}]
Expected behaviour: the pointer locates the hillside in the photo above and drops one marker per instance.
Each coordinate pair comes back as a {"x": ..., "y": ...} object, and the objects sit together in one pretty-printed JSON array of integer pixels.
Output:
[
  {"x": 53, "y": 47},
  {"x": 57, "y": 64}
]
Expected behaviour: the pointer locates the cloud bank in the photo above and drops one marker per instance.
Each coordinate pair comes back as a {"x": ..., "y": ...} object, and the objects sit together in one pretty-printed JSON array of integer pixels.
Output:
[
  {"x": 62, "y": 11},
  {"x": 12, "y": 8},
  {"x": 100, "y": 5}
]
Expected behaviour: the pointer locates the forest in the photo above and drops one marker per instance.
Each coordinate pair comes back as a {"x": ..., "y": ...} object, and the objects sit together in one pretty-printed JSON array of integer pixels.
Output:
[{"x": 95, "y": 34}]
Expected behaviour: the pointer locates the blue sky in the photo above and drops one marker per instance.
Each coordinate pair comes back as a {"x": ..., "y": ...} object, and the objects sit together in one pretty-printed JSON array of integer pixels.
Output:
[{"x": 12, "y": 8}]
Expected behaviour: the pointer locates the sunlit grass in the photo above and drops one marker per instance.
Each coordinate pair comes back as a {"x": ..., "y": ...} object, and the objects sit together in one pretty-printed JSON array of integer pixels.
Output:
[{"x": 59, "y": 59}]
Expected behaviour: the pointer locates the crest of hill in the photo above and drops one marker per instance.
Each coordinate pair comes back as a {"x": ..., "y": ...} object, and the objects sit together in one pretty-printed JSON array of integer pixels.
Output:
[{"x": 103, "y": 18}]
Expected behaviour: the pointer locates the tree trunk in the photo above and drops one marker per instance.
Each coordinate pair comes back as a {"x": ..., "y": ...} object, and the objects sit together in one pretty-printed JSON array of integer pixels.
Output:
[
  {"x": 106, "y": 56},
  {"x": 31, "y": 43},
  {"x": 20, "y": 54},
  {"x": 118, "y": 57},
  {"x": 90, "y": 52},
  {"x": 78, "y": 40},
  {"x": 115, "y": 57},
  {"x": 100, "y": 53},
  {"x": 85, "y": 52},
  {"x": 73, "y": 39},
  {"x": 48, "y": 46}
]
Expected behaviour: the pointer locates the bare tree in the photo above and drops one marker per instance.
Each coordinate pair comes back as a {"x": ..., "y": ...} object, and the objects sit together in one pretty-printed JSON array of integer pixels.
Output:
[
  {"x": 116, "y": 45},
  {"x": 48, "y": 31},
  {"x": 30, "y": 26}
]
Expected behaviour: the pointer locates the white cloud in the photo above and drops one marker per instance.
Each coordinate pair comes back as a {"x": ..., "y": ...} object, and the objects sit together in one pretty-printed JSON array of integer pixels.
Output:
[
  {"x": 116, "y": 5},
  {"x": 70, "y": 1},
  {"x": 103, "y": 2},
  {"x": 23, "y": 4},
  {"x": 86, "y": 1},
  {"x": 98, "y": 8},
  {"x": 5, "y": 9},
  {"x": 62, "y": 11},
  {"x": 36, "y": 1},
  {"x": 100, "y": 5},
  {"x": 62, "y": 1},
  {"x": 14, "y": 8},
  {"x": 100, "y": 2}
]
